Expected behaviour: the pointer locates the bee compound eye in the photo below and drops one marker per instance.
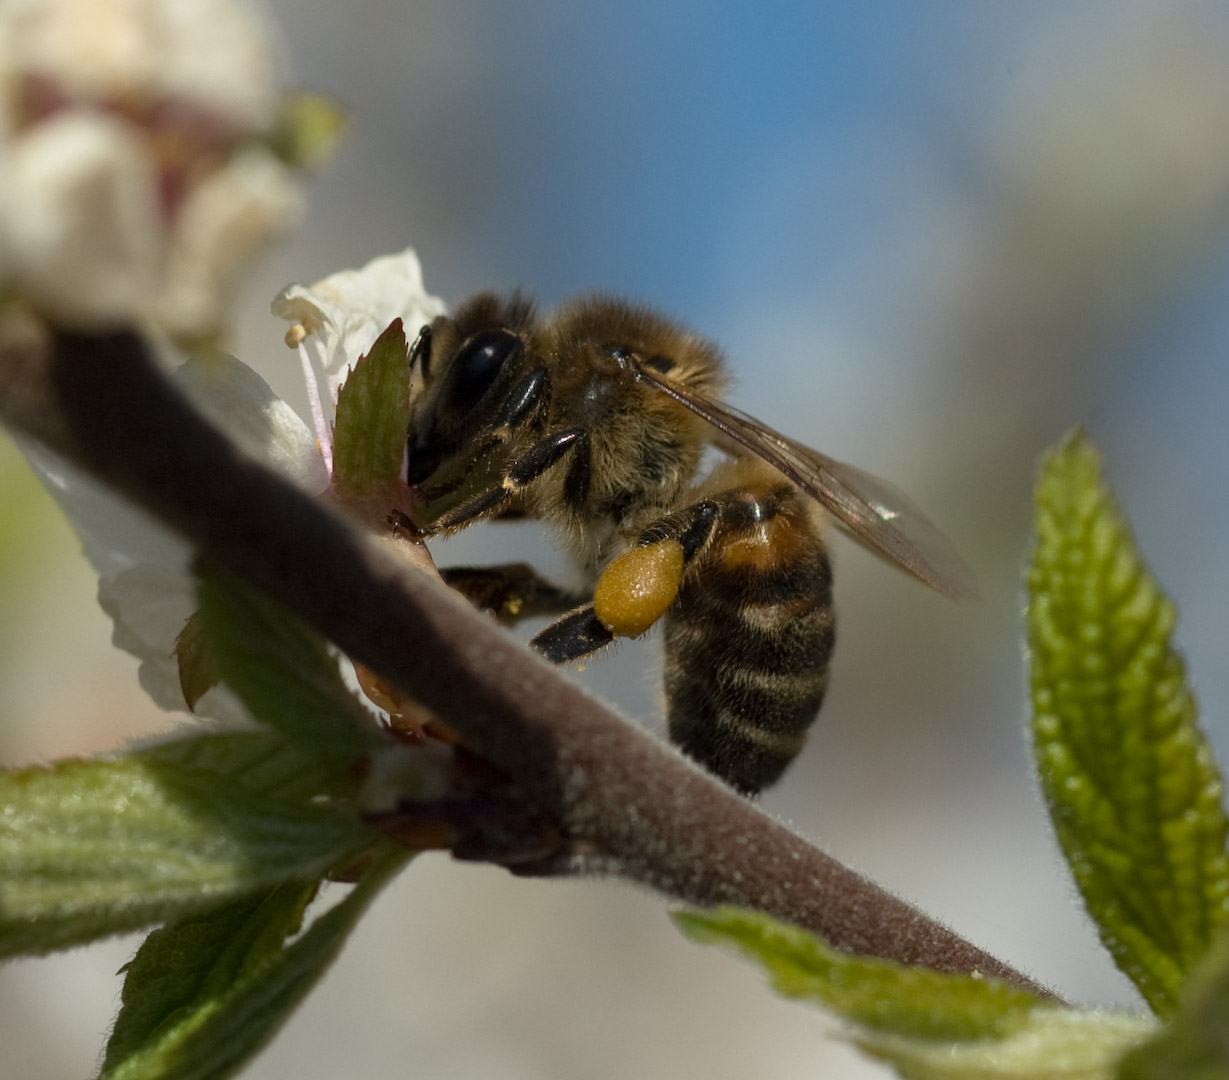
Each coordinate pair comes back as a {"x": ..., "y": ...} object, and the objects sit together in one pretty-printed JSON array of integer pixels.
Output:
[{"x": 476, "y": 366}]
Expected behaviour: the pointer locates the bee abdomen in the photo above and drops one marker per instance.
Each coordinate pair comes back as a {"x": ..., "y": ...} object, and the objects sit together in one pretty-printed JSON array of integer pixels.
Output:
[{"x": 748, "y": 642}]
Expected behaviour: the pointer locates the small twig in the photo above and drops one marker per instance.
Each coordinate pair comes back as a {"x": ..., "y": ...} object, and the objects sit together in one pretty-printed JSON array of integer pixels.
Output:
[{"x": 624, "y": 802}]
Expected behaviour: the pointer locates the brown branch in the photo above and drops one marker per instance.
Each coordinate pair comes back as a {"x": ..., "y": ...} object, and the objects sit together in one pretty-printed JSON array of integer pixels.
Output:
[{"x": 637, "y": 807}]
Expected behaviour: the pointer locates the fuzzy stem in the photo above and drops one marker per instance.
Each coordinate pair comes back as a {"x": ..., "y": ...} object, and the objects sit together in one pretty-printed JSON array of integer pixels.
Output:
[{"x": 636, "y": 806}]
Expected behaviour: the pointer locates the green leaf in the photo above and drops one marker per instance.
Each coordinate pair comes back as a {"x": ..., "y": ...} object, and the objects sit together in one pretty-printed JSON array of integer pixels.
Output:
[
  {"x": 1053, "y": 1044},
  {"x": 205, "y": 994},
  {"x": 262, "y": 762},
  {"x": 373, "y": 415},
  {"x": 1131, "y": 783},
  {"x": 914, "y": 1002},
  {"x": 92, "y": 848},
  {"x": 284, "y": 673},
  {"x": 199, "y": 957},
  {"x": 929, "y": 1026},
  {"x": 1195, "y": 1044}
]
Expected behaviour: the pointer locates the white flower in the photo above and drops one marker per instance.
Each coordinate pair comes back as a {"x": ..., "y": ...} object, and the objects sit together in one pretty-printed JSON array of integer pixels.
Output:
[
  {"x": 136, "y": 182},
  {"x": 145, "y": 584},
  {"x": 336, "y": 321}
]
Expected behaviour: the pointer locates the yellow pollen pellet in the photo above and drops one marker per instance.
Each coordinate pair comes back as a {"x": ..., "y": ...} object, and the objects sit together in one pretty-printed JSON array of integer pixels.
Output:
[{"x": 635, "y": 590}]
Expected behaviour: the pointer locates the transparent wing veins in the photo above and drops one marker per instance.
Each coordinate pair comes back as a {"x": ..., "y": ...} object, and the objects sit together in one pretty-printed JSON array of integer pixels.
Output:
[{"x": 874, "y": 512}]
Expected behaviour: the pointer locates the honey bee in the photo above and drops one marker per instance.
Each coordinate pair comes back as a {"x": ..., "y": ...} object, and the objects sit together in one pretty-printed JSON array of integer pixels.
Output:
[{"x": 595, "y": 421}]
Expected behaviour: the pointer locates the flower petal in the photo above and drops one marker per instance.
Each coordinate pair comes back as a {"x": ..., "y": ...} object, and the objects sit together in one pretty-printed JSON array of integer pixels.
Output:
[
  {"x": 243, "y": 405},
  {"x": 348, "y": 310},
  {"x": 80, "y": 218},
  {"x": 215, "y": 54},
  {"x": 226, "y": 220},
  {"x": 149, "y": 606}
]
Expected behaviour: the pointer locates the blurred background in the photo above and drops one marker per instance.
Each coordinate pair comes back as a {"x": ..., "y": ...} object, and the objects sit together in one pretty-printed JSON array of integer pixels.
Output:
[{"x": 931, "y": 238}]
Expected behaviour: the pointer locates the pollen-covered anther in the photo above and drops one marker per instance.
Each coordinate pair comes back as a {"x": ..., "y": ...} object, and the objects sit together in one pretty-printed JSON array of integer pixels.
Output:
[{"x": 635, "y": 590}]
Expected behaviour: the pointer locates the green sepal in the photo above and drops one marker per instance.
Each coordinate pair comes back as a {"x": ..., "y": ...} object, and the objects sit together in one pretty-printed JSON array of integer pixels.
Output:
[
  {"x": 914, "y": 1002},
  {"x": 198, "y": 670},
  {"x": 373, "y": 415},
  {"x": 309, "y": 129},
  {"x": 1194, "y": 1045},
  {"x": 206, "y": 993},
  {"x": 1133, "y": 789},
  {"x": 94, "y": 848},
  {"x": 284, "y": 672}
]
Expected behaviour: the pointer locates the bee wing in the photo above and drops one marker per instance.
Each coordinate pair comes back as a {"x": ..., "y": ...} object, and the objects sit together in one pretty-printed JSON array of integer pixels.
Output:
[{"x": 874, "y": 512}]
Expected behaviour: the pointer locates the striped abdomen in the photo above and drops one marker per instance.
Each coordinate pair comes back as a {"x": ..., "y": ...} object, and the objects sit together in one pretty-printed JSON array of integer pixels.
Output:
[{"x": 749, "y": 638}]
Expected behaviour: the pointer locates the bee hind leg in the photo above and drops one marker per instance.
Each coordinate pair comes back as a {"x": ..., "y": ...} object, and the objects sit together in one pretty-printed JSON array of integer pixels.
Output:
[
  {"x": 511, "y": 591},
  {"x": 576, "y": 635},
  {"x": 634, "y": 590}
]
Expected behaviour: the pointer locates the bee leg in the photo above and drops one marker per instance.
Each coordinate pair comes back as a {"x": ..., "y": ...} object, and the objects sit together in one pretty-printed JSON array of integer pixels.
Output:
[
  {"x": 420, "y": 351},
  {"x": 635, "y": 590},
  {"x": 523, "y": 402},
  {"x": 511, "y": 592},
  {"x": 574, "y": 636},
  {"x": 524, "y": 471}
]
